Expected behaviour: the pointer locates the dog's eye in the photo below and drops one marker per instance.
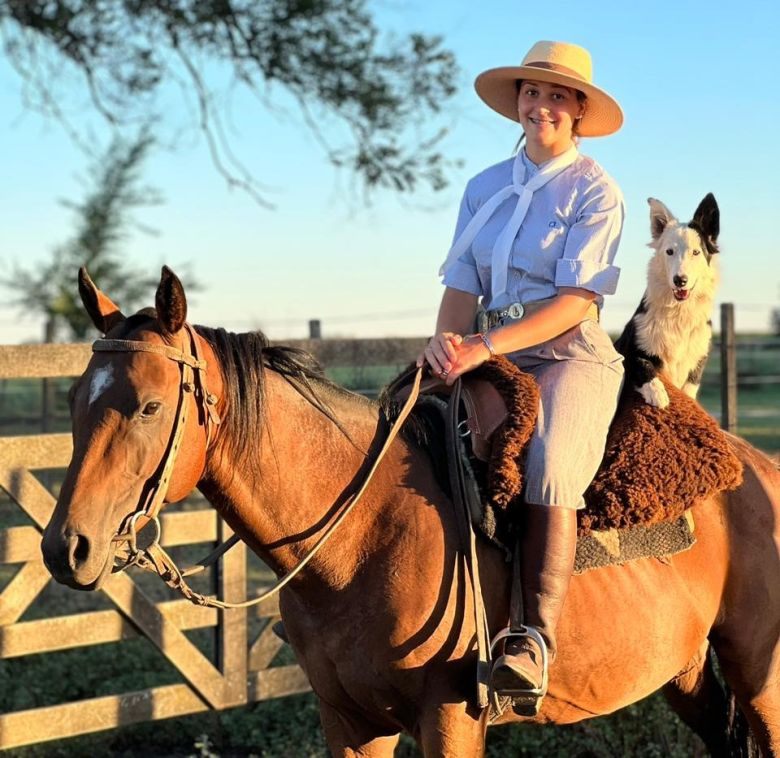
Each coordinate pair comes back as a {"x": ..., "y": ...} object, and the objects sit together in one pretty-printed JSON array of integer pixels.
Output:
[
  {"x": 696, "y": 252},
  {"x": 669, "y": 251}
]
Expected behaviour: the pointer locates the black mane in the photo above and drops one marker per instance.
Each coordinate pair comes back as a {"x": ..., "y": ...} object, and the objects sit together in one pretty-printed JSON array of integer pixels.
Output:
[{"x": 243, "y": 360}]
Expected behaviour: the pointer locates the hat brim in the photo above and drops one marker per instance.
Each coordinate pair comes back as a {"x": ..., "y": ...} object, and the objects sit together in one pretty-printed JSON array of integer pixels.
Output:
[{"x": 497, "y": 87}]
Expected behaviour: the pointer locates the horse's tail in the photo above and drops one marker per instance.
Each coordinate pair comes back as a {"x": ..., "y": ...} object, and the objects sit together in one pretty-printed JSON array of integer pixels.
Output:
[{"x": 741, "y": 742}]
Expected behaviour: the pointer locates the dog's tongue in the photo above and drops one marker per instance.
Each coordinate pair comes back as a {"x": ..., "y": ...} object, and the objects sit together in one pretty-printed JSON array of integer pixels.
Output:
[{"x": 681, "y": 294}]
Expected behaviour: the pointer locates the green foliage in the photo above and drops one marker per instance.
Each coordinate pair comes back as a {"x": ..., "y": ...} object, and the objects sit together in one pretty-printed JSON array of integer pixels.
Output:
[{"x": 325, "y": 53}]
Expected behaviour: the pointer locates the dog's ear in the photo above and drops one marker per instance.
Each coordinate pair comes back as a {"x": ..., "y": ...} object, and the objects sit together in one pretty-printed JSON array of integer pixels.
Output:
[
  {"x": 660, "y": 216},
  {"x": 707, "y": 217}
]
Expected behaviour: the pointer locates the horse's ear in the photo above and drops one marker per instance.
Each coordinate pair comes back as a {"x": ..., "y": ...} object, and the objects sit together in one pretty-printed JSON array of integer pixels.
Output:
[
  {"x": 104, "y": 313},
  {"x": 170, "y": 302},
  {"x": 660, "y": 216},
  {"x": 707, "y": 217}
]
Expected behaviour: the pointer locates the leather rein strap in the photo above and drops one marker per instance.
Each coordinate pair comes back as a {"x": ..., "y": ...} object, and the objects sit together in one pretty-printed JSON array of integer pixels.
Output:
[{"x": 193, "y": 379}]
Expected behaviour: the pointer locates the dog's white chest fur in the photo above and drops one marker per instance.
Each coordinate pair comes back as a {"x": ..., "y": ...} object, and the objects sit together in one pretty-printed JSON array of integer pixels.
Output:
[{"x": 679, "y": 336}]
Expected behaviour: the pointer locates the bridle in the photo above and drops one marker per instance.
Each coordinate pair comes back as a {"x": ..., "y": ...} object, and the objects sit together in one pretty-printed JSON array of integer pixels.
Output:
[{"x": 193, "y": 380}]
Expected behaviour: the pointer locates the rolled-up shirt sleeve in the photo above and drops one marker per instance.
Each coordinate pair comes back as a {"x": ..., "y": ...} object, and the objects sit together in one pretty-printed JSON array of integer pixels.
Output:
[
  {"x": 461, "y": 274},
  {"x": 592, "y": 242}
]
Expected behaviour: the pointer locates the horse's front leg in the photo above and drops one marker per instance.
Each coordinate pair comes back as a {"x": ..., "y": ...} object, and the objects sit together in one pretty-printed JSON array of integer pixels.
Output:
[
  {"x": 347, "y": 738},
  {"x": 449, "y": 730}
]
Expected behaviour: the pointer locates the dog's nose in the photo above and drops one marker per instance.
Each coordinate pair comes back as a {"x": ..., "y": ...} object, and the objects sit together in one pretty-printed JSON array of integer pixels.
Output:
[{"x": 680, "y": 281}]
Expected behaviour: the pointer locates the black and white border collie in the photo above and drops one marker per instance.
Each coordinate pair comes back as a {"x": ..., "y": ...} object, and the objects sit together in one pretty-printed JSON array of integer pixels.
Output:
[{"x": 671, "y": 331}]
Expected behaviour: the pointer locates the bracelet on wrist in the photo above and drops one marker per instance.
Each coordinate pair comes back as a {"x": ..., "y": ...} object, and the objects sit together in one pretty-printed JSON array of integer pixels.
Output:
[{"x": 486, "y": 341}]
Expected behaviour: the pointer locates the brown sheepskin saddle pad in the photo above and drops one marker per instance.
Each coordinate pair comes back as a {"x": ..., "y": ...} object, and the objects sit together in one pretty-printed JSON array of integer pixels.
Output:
[{"x": 657, "y": 463}]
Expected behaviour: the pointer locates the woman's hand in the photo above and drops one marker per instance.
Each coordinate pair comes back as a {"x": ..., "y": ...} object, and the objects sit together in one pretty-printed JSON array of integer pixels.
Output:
[
  {"x": 451, "y": 355},
  {"x": 471, "y": 352},
  {"x": 441, "y": 353}
]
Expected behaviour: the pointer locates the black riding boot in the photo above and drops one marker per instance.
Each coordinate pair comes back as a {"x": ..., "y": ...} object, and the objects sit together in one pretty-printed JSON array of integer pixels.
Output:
[{"x": 547, "y": 545}]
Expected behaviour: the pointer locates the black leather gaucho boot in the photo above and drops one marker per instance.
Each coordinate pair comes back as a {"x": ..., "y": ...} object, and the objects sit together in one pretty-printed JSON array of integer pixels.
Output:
[{"x": 547, "y": 545}]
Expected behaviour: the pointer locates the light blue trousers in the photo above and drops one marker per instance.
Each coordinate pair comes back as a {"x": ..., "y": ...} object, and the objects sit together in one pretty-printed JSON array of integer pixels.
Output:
[{"x": 580, "y": 376}]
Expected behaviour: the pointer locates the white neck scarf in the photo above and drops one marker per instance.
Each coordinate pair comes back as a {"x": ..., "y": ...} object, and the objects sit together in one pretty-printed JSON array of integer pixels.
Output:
[{"x": 503, "y": 245}]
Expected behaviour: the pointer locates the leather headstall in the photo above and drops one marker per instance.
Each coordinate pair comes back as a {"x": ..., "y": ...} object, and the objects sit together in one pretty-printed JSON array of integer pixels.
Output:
[{"x": 192, "y": 380}]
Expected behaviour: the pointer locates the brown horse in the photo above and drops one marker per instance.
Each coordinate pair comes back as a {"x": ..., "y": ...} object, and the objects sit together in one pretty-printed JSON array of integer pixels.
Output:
[{"x": 381, "y": 620}]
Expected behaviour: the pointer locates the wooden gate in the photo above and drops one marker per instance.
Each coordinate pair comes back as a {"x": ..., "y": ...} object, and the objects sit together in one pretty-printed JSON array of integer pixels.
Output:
[{"x": 240, "y": 673}]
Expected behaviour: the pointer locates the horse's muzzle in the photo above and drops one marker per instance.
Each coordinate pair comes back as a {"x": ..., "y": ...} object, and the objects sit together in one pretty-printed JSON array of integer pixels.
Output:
[{"x": 75, "y": 560}]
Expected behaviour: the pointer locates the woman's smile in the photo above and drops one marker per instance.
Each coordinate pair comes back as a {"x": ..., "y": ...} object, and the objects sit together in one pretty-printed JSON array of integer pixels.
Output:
[{"x": 543, "y": 123}]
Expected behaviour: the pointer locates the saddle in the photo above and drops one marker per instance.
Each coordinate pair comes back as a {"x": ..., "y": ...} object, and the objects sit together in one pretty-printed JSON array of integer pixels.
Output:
[{"x": 657, "y": 463}]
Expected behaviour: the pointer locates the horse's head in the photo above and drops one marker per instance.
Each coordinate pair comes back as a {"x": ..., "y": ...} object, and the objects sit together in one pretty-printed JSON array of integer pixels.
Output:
[{"x": 142, "y": 396}]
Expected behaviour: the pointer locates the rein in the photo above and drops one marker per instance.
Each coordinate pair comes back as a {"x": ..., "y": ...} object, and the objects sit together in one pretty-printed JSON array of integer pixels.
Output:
[{"x": 153, "y": 557}]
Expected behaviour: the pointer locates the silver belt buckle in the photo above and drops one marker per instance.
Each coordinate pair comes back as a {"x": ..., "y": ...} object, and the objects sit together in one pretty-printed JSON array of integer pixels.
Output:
[
  {"x": 515, "y": 311},
  {"x": 501, "y": 316}
]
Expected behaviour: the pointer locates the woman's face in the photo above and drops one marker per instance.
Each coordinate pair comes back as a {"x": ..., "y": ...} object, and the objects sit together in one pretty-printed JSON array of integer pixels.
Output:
[{"x": 547, "y": 113}]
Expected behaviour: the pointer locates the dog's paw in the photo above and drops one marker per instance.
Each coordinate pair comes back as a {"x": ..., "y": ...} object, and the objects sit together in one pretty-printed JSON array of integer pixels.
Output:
[{"x": 654, "y": 393}]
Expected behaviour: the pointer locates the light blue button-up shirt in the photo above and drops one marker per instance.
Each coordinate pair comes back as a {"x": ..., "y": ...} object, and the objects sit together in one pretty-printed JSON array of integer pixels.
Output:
[{"x": 569, "y": 237}]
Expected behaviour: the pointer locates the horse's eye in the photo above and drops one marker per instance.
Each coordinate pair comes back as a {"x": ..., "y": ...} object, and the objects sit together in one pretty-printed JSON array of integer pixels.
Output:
[
  {"x": 151, "y": 409},
  {"x": 696, "y": 252},
  {"x": 669, "y": 251}
]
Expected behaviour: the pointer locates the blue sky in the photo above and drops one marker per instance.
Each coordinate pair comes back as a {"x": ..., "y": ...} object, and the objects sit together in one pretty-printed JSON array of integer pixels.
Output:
[{"x": 697, "y": 85}]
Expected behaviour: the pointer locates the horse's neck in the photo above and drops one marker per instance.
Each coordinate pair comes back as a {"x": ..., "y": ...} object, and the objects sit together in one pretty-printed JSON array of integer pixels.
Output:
[{"x": 307, "y": 468}]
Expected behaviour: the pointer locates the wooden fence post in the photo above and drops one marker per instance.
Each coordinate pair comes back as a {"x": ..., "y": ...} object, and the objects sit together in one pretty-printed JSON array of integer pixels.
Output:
[
  {"x": 728, "y": 369},
  {"x": 47, "y": 385}
]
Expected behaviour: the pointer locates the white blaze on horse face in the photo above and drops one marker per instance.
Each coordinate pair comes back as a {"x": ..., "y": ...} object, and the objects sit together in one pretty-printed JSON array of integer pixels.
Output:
[{"x": 102, "y": 379}]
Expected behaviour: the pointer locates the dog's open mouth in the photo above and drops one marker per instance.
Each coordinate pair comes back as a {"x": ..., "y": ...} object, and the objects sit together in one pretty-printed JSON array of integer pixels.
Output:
[{"x": 681, "y": 294}]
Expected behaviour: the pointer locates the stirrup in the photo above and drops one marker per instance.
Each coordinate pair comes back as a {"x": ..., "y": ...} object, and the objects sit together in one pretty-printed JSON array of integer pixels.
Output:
[{"x": 525, "y": 702}]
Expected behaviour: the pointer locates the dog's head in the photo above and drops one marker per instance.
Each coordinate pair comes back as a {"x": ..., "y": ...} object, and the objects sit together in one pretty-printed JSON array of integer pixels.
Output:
[{"x": 683, "y": 257}]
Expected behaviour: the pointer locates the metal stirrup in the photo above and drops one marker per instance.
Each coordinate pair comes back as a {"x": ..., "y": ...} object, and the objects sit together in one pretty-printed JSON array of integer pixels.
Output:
[{"x": 529, "y": 632}]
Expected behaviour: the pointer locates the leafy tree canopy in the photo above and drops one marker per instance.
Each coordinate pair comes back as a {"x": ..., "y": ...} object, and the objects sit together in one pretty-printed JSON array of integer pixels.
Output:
[{"x": 326, "y": 53}]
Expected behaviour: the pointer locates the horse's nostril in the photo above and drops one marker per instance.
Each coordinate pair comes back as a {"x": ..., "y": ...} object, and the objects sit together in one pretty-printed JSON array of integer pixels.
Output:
[{"x": 78, "y": 550}]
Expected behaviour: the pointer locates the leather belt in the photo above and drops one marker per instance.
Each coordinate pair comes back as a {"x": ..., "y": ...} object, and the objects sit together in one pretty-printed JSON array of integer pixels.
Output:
[{"x": 516, "y": 311}]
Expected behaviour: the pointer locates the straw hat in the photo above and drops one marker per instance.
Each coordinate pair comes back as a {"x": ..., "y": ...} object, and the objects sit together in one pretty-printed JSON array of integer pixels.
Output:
[{"x": 557, "y": 63}]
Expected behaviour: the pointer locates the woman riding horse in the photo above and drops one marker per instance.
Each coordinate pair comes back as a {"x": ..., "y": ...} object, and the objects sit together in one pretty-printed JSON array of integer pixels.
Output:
[{"x": 536, "y": 239}]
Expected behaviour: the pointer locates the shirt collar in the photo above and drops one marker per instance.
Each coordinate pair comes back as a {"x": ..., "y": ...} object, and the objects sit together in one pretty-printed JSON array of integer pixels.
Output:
[{"x": 532, "y": 168}]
